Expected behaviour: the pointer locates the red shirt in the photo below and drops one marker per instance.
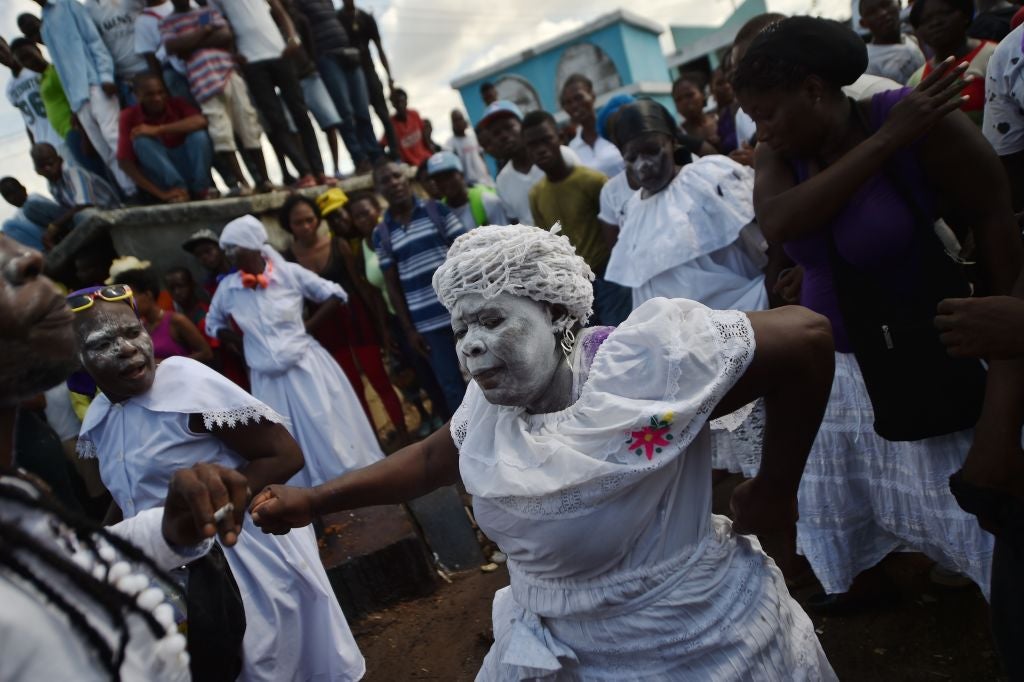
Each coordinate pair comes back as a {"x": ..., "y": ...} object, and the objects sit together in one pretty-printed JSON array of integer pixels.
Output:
[
  {"x": 413, "y": 149},
  {"x": 176, "y": 110}
]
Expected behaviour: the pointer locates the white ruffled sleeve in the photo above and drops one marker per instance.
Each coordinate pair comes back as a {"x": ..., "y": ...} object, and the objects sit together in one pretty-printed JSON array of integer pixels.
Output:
[{"x": 652, "y": 387}]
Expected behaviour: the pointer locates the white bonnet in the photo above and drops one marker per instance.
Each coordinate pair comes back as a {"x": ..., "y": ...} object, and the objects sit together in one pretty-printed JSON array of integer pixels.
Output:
[
  {"x": 520, "y": 260},
  {"x": 247, "y": 232}
]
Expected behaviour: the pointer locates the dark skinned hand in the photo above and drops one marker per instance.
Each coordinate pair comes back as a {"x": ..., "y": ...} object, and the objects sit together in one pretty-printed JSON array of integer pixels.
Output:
[{"x": 194, "y": 495}]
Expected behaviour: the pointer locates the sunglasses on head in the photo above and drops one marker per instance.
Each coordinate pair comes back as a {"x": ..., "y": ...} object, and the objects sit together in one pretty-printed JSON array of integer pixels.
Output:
[{"x": 112, "y": 293}]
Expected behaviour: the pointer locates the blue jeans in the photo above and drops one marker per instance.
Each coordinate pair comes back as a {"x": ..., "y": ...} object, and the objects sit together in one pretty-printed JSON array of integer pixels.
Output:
[
  {"x": 445, "y": 364},
  {"x": 74, "y": 142},
  {"x": 185, "y": 166},
  {"x": 612, "y": 303},
  {"x": 347, "y": 87},
  {"x": 42, "y": 211},
  {"x": 24, "y": 232}
]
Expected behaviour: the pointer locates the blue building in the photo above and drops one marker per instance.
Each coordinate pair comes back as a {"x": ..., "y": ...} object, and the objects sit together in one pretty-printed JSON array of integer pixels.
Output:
[
  {"x": 700, "y": 48},
  {"x": 619, "y": 52}
]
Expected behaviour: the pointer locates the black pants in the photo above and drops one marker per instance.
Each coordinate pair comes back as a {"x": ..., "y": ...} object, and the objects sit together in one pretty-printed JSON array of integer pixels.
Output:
[
  {"x": 380, "y": 107},
  {"x": 262, "y": 77}
]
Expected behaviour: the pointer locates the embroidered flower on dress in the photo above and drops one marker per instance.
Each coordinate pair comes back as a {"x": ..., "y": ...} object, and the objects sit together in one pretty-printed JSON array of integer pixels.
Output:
[{"x": 651, "y": 438}]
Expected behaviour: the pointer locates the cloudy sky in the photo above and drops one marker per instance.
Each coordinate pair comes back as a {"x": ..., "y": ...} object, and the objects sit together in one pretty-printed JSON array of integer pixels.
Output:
[{"x": 430, "y": 42}]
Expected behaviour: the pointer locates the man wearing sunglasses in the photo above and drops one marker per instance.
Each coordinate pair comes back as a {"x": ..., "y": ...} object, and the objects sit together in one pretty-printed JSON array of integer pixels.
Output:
[
  {"x": 37, "y": 350},
  {"x": 151, "y": 419}
]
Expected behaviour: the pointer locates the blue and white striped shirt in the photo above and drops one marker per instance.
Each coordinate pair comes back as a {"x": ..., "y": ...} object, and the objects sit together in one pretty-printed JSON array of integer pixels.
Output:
[
  {"x": 78, "y": 187},
  {"x": 418, "y": 249}
]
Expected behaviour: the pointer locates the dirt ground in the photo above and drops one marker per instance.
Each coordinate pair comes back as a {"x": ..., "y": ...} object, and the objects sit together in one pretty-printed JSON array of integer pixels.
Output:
[{"x": 922, "y": 632}]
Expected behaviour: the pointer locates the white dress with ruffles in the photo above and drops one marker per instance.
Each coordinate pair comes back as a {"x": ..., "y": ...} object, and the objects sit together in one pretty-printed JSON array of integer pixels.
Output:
[
  {"x": 290, "y": 371},
  {"x": 295, "y": 629},
  {"x": 862, "y": 497},
  {"x": 618, "y": 569}
]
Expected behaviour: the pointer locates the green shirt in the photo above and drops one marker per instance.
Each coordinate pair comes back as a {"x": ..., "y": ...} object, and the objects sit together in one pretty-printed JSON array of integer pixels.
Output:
[
  {"x": 58, "y": 111},
  {"x": 575, "y": 202}
]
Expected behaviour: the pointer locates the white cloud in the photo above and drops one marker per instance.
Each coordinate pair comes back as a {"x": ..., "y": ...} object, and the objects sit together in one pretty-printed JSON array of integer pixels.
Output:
[{"x": 430, "y": 42}]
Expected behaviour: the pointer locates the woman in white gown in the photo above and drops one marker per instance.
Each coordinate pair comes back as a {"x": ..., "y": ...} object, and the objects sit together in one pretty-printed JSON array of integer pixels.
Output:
[
  {"x": 589, "y": 464},
  {"x": 152, "y": 420},
  {"x": 288, "y": 369},
  {"x": 688, "y": 233}
]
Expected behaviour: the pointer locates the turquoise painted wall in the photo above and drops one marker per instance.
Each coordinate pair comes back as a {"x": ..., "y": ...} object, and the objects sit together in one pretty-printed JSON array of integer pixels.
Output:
[{"x": 636, "y": 54}]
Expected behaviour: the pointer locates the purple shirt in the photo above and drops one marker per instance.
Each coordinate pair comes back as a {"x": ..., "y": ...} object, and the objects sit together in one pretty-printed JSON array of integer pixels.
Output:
[{"x": 874, "y": 232}]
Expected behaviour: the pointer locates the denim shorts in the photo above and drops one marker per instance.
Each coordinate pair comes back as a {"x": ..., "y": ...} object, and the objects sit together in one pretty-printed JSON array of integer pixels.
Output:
[{"x": 319, "y": 102}]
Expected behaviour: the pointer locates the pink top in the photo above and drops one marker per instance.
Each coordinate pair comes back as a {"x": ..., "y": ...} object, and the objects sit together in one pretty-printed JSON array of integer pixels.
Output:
[{"x": 164, "y": 345}]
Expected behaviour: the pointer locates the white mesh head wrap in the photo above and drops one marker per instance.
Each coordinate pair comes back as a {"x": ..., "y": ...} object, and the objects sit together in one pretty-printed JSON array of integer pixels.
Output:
[
  {"x": 247, "y": 232},
  {"x": 520, "y": 260}
]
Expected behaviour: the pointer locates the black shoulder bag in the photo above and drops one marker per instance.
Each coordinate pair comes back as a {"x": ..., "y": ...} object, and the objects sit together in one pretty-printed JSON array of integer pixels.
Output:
[{"x": 916, "y": 389}]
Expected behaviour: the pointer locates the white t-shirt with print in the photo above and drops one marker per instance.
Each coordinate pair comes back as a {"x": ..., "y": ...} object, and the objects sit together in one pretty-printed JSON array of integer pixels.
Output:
[
  {"x": 1003, "y": 124},
  {"x": 23, "y": 94},
  {"x": 115, "y": 20}
]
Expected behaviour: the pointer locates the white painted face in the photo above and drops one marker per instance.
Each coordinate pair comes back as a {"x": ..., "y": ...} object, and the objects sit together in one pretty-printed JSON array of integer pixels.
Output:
[
  {"x": 115, "y": 349},
  {"x": 509, "y": 346}
]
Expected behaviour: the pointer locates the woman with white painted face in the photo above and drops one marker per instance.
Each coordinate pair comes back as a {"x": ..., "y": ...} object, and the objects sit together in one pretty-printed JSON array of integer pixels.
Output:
[
  {"x": 587, "y": 455},
  {"x": 152, "y": 420},
  {"x": 687, "y": 233},
  {"x": 288, "y": 369}
]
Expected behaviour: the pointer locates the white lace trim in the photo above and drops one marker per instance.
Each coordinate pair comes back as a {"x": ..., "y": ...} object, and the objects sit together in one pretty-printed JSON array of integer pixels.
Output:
[
  {"x": 86, "y": 449},
  {"x": 240, "y": 416}
]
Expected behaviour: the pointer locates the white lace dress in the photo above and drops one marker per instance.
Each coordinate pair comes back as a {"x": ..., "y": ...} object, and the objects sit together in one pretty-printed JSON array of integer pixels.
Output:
[
  {"x": 618, "y": 569},
  {"x": 295, "y": 629}
]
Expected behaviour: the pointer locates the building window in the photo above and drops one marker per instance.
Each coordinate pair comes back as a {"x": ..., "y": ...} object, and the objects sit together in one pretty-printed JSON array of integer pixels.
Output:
[
  {"x": 518, "y": 90},
  {"x": 591, "y": 61}
]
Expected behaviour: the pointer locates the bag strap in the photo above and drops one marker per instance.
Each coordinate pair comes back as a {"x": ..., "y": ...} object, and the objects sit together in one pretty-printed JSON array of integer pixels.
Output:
[
  {"x": 383, "y": 233},
  {"x": 435, "y": 217}
]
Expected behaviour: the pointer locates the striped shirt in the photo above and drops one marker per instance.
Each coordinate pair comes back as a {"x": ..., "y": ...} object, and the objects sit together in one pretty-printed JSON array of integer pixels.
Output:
[
  {"x": 208, "y": 69},
  {"x": 78, "y": 187},
  {"x": 418, "y": 249}
]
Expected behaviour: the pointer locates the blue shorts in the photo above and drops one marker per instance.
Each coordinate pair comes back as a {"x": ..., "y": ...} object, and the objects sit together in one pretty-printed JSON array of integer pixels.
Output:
[{"x": 319, "y": 102}]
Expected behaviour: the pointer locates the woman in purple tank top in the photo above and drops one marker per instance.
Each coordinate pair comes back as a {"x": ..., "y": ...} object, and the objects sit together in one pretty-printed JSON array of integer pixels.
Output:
[
  {"x": 172, "y": 333},
  {"x": 823, "y": 191}
]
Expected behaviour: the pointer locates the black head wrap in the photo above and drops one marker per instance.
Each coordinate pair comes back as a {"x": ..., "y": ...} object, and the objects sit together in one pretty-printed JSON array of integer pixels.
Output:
[
  {"x": 647, "y": 116},
  {"x": 785, "y": 53}
]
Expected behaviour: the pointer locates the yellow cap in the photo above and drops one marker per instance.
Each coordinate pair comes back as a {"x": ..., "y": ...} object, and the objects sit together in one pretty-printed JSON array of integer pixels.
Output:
[{"x": 331, "y": 200}]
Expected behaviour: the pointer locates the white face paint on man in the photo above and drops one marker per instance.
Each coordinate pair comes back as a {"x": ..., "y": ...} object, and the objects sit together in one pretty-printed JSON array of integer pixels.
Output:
[
  {"x": 115, "y": 349},
  {"x": 508, "y": 344}
]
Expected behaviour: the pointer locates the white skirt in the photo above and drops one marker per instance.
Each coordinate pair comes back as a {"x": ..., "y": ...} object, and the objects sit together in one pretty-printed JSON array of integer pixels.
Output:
[
  {"x": 324, "y": 414},
  {"x": 862, "y": 497},
  {"x": 720, "y": 611}
]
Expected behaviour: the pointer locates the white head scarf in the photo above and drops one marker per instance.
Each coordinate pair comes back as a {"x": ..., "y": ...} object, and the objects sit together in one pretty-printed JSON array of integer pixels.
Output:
[
  {"x": 520, "y": 260},
  {"x": 246, "y": 232}
]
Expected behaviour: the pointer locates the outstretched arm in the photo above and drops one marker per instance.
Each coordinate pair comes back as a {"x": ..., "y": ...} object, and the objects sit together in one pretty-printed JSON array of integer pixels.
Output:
[
  {"x": 792, "y": 369},
  {"x": 409, "y": 473}
]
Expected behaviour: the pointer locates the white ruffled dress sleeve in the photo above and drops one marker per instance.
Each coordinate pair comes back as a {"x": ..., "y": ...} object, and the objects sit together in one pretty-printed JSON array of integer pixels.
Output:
[{"x": 652, "y": 387}]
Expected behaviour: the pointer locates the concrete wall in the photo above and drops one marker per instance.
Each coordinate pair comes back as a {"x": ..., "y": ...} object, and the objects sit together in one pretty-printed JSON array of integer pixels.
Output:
[{"x": 155, "y": 233}]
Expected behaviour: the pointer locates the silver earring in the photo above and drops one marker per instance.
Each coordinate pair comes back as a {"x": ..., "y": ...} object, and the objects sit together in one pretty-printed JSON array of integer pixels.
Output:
[{"x": 568, "y": 342}]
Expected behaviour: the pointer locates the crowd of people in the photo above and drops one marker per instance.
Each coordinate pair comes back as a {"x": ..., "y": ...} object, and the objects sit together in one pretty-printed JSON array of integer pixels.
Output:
[
  {"x": 812, "y": 278},
  {"x": 145, "y": 100}
]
